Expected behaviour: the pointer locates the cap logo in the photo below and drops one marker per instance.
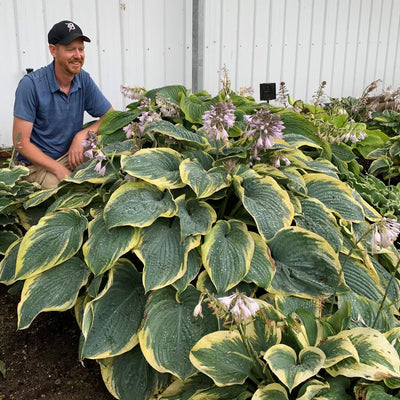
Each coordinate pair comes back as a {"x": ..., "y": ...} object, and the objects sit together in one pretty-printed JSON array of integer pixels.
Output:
[{"x": 70, "y": 26}]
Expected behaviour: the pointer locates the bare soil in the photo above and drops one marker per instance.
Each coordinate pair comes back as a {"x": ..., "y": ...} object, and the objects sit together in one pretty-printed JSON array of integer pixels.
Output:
[{"x": 41, "y": 362}]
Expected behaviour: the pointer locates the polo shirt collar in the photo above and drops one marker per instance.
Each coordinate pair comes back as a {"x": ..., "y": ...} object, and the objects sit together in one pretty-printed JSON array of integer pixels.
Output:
[{"x": 54, "y": 86}]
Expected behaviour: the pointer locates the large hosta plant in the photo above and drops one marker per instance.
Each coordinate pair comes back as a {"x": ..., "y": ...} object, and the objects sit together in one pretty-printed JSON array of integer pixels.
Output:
[{"x": 190, "y": 200}]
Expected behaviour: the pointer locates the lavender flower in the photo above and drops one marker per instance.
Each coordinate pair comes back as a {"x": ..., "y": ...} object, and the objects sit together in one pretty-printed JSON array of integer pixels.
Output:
[
  {"x": 279, "y": 158},
  {"x": 167, "y": 107},
  {"x": 225, "y": 81},
  {"x": 94, "y": 151},
  {"x": 265, "y": 128},
  {"x": 384, "y": 233},
  {"x": 144, "y": 103},
  {"x": 283, "y": 95},
  {"x": 133, "y": 93},
  {"x": 246, "y": 91},
  {"x": 219, "y": 118},
  {"x": 243, "y": 308},
  {"x": 319, "y": 97}
]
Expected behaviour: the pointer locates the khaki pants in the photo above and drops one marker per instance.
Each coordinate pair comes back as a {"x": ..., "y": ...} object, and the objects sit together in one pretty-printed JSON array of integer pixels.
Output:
[{"x": 44, "y": 178}]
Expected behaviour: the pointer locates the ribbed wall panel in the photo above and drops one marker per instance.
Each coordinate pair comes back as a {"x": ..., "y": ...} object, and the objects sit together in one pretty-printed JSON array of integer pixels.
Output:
[{"x": 348, "y": 43}]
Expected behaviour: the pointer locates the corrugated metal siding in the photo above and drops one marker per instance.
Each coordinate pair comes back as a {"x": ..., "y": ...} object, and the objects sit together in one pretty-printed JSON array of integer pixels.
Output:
[{"x": 348, "y": 43}]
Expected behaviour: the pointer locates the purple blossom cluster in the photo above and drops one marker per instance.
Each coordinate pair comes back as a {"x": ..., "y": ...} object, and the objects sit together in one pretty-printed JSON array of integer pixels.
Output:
[
  {"x": 167, "y": 107},
  {"x": 265, "y": 128},
  {"x": 133, "y": 93},
  {"x": 218, "y": 119},
  {"x": 93, "y": 151}
]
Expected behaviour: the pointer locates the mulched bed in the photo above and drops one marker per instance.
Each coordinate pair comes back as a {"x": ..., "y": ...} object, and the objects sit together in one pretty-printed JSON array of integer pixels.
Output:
[{"x": 42, "y": 361}]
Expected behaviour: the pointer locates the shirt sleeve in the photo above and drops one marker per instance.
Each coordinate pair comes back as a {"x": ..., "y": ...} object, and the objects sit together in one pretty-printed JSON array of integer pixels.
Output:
[
  {"x": 96, "y": 104},
  {"x": 25, "y": 100}
]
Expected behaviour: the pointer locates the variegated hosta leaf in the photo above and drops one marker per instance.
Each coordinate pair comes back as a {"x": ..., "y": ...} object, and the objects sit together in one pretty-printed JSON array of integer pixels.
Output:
[
  {"x": 104, "y": 246},
  {"x": 378, "y": 359},
  {"x": 362, "y": 278},
  {"x": 235, "y": 392},
  {"x": 311, "y": 389},
  {"x": 289, "y": 304},
  {"x": 163, "y": 253},
  {"x": 306, "y": 265},
  {"x": 164, "y": 342},
  {"x": 337, "y": 349},
  {"x": 159, "y": 166},
  {"x": 336, "y": 196},
  {"x": 178, "y": 132},
  {"x": 54, "y": 290},
  {"x": 185, "y": 390},
  {"x": 291, "y": 370},
  {"x": 273, "y": 391},
  {"x": 227, "y": 252},
  {"x": 393, "y": 337},
  {"x": 9, "y": 176},
  {"x": 193, "y": 265},
  {"x": 266, "y": 202},
  {"x": 86, "y": 173},
  {"x": 40, "y": 197},
  {"x": 305, "y": 328},
  {"x": 7, "y": 238},
  {"x": 196, "y": 217},
  {"x": 112, "y": 319},
  {"x": 72, "y": 200},
  {"x": 138, "y": 204},
  {"x": 8, "y": 263},
  {"x": 129, "y": 376},
  {"x": 339, "y": 388},
  {"x": 223, "y": 357},
  {"x": 204, "y": 183},
  {"x": 364, "y": 311},
  {"x": 262, "y": 266},
  {"x": 56, "y": 238},
  {"x": 316, "y": 218},
  {"x": 374, "y": 391}
]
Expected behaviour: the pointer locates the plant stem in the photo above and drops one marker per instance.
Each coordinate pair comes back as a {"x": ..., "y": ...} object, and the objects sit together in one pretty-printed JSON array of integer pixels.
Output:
[{"x": 386, "y": 293}]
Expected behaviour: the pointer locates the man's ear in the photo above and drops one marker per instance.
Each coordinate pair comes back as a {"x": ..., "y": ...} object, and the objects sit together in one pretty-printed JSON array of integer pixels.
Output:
[{"x": 52, "y": 49}]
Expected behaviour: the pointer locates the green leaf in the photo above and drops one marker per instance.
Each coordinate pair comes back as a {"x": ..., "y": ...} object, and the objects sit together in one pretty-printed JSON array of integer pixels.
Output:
[
  {"x": 56, "y": 238},
  {"x": 337, "y": 389},
  {"x": 7, "y": 238},
  {"x": 311, "y": 389},
  {"x": 164, "y": 342},
  {"x": 170, "y": 92},
  {"x": 86, "y": 173},
  {"x": 111, "y": 321},
  {"x": 158, "y": 166},
  {"x": 293, "y": 370},
  {"x": 204, "y": 183},
  {"x": 163, "y": 253},
  {"x": 194, "y": 108},
  {"x": 193, "y": 266},
  {"x": 306, "y": 265},
  {"x": 40, "y": 197},
  {"x": 54, "y": 290},
  {"x": 377, "y": 358},
  {"x": 273, "y": 391},
  {"x": 104, "y": 246},
  {"x": 129, "y": 376},
  {"x": 196, "y": 217},
  {"x": 227, "y": 252},
  {"x": 138, "y": 204},
  {"x": 114, "y": 120},
  {"x": 178, "y": 132},
  {"x": 336, "y": 196},
  {"x": 72, "y": 200},
  {"x": 262, "y": 266},
  {"x": 9, "y": 263},
  {"x": 223, "y": 357},
  {"x": 266, "y": 201},
  {"x": 316, "y": 218},
  {"x": 337, "y": 349},
  {"x": 9, "y": 176}
]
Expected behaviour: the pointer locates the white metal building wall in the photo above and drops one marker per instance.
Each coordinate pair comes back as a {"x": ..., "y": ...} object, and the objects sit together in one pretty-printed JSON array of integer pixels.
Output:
[{"x": 348, "y": 43}]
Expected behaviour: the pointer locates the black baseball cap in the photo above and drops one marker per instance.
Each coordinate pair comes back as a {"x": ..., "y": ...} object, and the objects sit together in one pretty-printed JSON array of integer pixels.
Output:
[{"x": 65, "y": 32}]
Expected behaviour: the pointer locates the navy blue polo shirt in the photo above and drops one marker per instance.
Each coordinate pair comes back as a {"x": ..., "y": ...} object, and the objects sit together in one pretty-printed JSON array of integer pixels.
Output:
[{"x": 57, "y": 117}]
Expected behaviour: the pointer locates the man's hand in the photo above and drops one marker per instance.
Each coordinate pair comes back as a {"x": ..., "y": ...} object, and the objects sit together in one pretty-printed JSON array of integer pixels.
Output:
[
  {"x": 75, "y": 152},
  {"x": 61, "y": 172}
]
